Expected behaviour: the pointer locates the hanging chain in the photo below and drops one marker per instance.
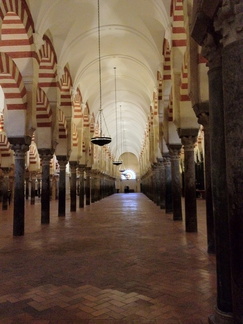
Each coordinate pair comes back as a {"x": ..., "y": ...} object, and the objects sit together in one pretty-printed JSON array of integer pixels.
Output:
[
  {"x": 99, "y": 52},
  {"x": 116, "y": 110}
]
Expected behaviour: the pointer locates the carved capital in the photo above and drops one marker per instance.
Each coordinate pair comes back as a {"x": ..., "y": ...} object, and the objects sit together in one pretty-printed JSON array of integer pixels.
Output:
[
  {"x": 20, "y": 145},
  {"x": 166, "y": 159},
  {"x": 212, "y": 51},
  {"x": 73, "y": 164},
  {"x": 46, "y": 155},
  {"x": 202, "y": 112},
  {"x": 229, "y": 21},
  {"x": 19, "y": 150},
  {"x": 188, "y": 142},
  {"x": 62, "y": 161},
  {"x": 175, "y": 151}
]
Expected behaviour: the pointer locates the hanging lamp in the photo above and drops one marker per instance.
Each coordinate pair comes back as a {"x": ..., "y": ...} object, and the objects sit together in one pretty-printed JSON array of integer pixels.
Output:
[
  {"x": 100, "y": 139},
  {"x": 116, "y": 161}
]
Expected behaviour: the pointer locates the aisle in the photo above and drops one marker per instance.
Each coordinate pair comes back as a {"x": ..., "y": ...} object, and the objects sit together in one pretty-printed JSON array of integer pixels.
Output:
[{"x": 119, "y": 260}]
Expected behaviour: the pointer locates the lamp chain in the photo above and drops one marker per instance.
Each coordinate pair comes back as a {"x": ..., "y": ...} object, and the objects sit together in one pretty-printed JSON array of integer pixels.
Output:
[
  {"x": 116, "y": 110},
  {"x": 100, "y": 110}
]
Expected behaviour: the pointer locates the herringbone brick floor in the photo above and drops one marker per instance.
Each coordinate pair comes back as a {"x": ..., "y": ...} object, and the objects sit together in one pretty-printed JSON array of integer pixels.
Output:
[{"x": 120, "y": 260}]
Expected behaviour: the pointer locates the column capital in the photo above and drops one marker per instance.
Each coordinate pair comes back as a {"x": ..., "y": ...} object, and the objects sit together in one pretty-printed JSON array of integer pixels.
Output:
[
  {"x": 228, "y": 21},
  {"x": 212, "y": 51},
  {"x": 20, "y": 145},
  {"x": 19, "y": 150},
  {"x": 166, "y": 158},
  {"x": 189, "y": 142},
  {"x": 202, "y": 112},
  {"x": 62, "y": 161},
  {"x": 188, "y": 138},
  {"x": 45, "y": 154},
  {"x": 73, "y": 164},
  {"x": 174, "y": 151}
]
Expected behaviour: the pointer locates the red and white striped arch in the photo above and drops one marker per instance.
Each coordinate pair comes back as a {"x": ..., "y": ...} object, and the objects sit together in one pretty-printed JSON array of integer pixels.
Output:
[
  {"x": 43, "y": 111},
  {"x": 178, "y": 27},
  {"x": 62, "y": 125},
  {"x": 33, "y": 155},
  {"x": 12, "y": 84},
  {"x": 167, "y": 61},
  {"x": 92, "y": 126},
  {"x": 1, "y": 123},
  {"x": 184, "y": 95},
  {"x": 170, "y": 108},
  {"x": 48, "y": 65},
  {"x": 5, "y": 150},
  {"x": 17, "y": 29},
  {"x": 77, "y": 113},
  {"x": 65, "y": 89},
  {"x": 75, "y": 137}
]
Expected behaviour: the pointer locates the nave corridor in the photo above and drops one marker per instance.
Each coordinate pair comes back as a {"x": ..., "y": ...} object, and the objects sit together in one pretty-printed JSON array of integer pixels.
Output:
[{"x": 121, "y": 260}]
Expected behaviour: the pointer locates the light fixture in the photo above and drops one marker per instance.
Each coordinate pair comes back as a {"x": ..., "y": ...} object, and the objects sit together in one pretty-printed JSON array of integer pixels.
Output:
[
  {"x": 100, "y": 139},
  {"x": 116, "y": 161}
]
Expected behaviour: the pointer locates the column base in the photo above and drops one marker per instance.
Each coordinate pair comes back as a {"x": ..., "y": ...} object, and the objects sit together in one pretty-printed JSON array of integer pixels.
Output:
[{"x": 220, "y": 318}]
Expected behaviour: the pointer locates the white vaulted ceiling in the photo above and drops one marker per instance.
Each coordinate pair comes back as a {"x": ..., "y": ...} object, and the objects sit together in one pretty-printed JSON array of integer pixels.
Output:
[{"x": 132, "y": 35}]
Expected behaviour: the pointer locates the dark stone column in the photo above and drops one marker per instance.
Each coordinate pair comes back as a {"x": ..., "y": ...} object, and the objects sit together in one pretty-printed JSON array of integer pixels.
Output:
[
  {"x": 202, "y": 113},
  {"x": 54, "y": 187},
  {"x": 46, "y": 156},
  {"x": 175, "y": 150},
  {"x": 5, "y": 179},
  {"x": 219, "y": 183},
  {"x": 39, "y": 186},
  {"x": 27, "y": 177},
  {"x": 32, "y": 191},
  {"x": 232, "y": 63},
  {"x": 162, "y": 183},
  {"x": 157, "y": 184},
  {"x": 73, "y": 186},
  {"x": 87, "y": 186},
  {"x": 62, "y": 160},
  {"x": 93, "y": 185},
  {"x": 98, "y": 196},
  {"x": 168, "y": 185},
  {"x": 81, "y": 186},
  {"x": 20, "y": 147},
  {"x": 188, "y": 139},
  {"x": 153, "y": 183}
]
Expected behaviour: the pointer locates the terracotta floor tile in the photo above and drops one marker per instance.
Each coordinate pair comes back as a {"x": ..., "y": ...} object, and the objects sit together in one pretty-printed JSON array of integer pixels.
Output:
[{"x": 121, "y": 260}]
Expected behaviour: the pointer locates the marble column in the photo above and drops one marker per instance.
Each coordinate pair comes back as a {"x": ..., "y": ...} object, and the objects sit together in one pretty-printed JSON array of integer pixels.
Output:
[
  {"x": 27, "y": 180},
  {"x": 202, "y": 112},
  {"x": 93, "y": 186},
  {"x": 188, "y": 139},
  {"x": 81, "y": 186},
  {"x": 5, "y": 179},
  {"x": 32, "y": 190},
  {"x": 174, "y": 151},
  {"x": 20, "y": 147},
  {"x": 73, "y": 186},
  {"x": 87, "y": 186},
  {"x": 162, "y": 183},
  {"x": 54, "y": 187},
  {"x": 229, "y": 24},
  {"x": 157, "y": 184},
  {"x": 46, "y": 156},
  {"x": 62, "y": 160},
  {"x": 38, "y": 186},
  {"x": 219, "y": 183},
  {"x": 168, "y": 185},
  {"x": 98, "y": 191}
]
